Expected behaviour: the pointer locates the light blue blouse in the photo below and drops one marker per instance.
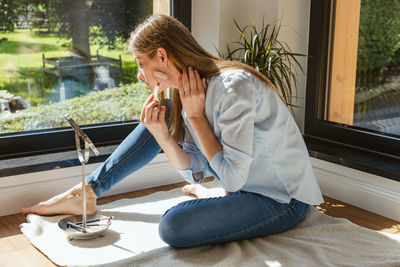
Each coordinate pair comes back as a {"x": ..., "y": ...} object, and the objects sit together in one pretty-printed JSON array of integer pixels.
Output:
[{"x": 263, "y": 149}]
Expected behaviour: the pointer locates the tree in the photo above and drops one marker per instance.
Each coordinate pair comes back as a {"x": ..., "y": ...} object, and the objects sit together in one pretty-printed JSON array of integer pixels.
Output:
[
  {"x": 74, "y": 18},
  {"x": 379, "y": 38},
  {"x": 9, "y": 10}
]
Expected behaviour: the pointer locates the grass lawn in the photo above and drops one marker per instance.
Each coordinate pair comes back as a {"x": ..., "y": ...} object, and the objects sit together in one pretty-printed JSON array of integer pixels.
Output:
[{"x": 21, "y": 63}]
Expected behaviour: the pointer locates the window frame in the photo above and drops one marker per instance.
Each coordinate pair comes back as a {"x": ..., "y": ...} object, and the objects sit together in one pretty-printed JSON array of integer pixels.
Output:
[
  {"x": 320, "y": 43},
  {"x": 29, "y": 143}
]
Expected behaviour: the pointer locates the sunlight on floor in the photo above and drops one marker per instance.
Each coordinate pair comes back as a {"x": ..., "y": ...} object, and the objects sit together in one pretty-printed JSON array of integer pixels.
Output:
[
  {"x": 340, "y": 209},
  {"x": 394, "y": 229},
  {"x": 273, "y": 263},
  {"x": 324, "y": 207}
]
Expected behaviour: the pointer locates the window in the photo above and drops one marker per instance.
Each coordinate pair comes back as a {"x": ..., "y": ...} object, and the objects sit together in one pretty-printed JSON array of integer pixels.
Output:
[
  {"x": 61, "y": 57},
  {"x": 353, "y": 88}
]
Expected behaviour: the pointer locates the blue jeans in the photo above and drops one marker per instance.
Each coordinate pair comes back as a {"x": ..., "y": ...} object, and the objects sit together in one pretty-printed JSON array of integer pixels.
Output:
[
  {"x": 240, "y": 215},
  {"x": 137, "y": 149}
]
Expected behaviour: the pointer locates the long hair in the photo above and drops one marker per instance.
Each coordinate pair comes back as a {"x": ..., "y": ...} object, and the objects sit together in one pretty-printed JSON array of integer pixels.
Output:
[{"x": 182, "y": 50}]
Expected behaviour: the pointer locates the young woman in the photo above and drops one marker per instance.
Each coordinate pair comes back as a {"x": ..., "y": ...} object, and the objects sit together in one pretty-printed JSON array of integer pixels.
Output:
[{"x": 230, "y": 121}]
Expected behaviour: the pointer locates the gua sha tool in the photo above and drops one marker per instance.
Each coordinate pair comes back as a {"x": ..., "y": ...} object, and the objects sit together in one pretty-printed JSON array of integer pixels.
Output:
[
  {"x": 162, "y": 76},
  {"x": 155, "y": 92},
  {"x": 78, "y": 226}
]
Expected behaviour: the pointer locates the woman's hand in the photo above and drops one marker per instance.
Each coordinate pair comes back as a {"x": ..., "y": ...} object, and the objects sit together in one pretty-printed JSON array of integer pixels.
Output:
[
  {"x": 153, "y": 117},
  {"x": 192, "y": 92},
  {"x": 193, "y": 96}
]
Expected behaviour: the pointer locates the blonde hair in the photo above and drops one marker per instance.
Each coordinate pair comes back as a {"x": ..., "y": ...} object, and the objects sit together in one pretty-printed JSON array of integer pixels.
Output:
[{"x": 182, "y": 50}]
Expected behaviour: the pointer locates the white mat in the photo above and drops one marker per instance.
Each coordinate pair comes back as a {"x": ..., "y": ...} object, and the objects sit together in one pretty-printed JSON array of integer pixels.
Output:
[{"x": 132, "y": 240}]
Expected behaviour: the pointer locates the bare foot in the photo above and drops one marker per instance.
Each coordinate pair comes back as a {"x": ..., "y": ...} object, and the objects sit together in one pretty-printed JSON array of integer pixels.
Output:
[
  {"x": 69, "y": 202},
  {"x": 199, "y": 191}
]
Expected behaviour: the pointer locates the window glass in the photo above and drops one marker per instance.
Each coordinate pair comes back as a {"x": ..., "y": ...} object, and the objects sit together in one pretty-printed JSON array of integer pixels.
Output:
[
  {"x": 68, "y": 56},
  {"x": 364, "y": 87}
]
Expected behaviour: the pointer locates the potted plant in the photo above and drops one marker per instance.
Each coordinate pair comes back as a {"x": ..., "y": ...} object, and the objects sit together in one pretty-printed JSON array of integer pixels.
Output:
[{"x": 262, "y": 50}]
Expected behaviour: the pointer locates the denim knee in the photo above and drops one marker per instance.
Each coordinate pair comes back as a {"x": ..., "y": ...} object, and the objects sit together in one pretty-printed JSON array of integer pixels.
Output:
[{"x": 171, "y": 228}]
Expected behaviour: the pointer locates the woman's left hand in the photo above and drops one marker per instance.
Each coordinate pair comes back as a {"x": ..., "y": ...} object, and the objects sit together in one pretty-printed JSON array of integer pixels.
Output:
[{"x": 192, "y": 92}]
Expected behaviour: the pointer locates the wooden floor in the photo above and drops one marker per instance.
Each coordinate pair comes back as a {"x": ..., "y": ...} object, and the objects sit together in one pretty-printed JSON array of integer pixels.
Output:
[{"x": 16, "y": 250}]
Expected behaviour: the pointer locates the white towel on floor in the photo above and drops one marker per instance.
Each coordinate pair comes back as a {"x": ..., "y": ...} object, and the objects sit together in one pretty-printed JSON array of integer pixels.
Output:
[{"x": 132, "y": 240}]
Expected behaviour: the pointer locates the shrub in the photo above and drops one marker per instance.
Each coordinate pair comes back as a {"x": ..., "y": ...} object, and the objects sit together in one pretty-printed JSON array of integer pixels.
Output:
[
  {"x": 379, "y": 38},
  {"x": 115, "y": 104}
]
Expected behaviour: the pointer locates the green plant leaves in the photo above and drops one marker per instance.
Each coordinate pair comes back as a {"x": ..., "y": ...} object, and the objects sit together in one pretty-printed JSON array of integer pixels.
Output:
[{"x": 262, "y": 50}]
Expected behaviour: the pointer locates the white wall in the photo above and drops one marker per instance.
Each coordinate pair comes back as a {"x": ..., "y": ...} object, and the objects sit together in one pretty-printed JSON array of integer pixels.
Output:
[
  {"x": 205, "y": 23},
  {"x": 213, "y": 26}
]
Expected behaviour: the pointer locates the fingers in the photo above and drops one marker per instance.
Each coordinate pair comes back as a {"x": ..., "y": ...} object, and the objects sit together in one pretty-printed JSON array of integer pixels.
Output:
[
  {"x": 199, "y": 83},
  {"x": 191, "y": 82},
  {"x": 180, "y": 86},
  {"x": 185, "y": 83},
  {"x": 204, "y": 83},
  {"x": 142, "y": 113},
  {"x": 158, "y": 113},
  {"x": 154, "y": 113},
  {"x": 151, "y": 110},
  {"x": 149, "y": 99},
  {"x": 161, "y": 115}
]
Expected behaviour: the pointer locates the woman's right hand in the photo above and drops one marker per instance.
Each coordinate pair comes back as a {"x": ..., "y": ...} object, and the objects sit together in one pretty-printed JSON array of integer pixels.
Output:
[{"x": 153, "y": 117}]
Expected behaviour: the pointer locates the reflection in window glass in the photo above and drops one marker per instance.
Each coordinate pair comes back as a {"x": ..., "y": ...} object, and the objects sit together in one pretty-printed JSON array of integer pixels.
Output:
[
  {"x": 60, "y": 56},
  {"x": 377, "y": 101},
  {"x": 365, "y": 68}
]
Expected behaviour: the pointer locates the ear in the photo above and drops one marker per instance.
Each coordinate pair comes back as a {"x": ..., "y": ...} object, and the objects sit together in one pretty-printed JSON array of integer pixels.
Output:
[{"x": 163, "y": 56}]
